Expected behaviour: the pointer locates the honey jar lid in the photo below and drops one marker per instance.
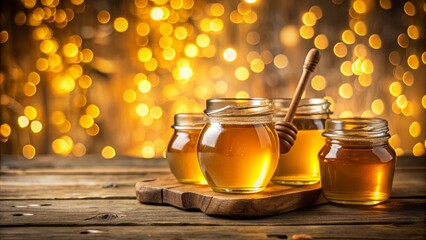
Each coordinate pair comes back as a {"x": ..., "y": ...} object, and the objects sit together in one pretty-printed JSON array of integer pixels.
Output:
[
  {"x": 189, "y": 121},
  {"x": 356, "y": 129},
  {"x": 238, "y": 107}
]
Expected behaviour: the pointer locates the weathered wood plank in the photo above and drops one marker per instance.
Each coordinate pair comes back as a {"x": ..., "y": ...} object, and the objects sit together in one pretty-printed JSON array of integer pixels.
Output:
[
  {"x": 130, "y": 212},
  {"x": 330, "y": 232}
]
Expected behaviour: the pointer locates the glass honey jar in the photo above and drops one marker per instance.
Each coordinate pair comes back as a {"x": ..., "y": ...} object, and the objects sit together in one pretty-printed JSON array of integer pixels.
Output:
[
  {"x": 357, "y": 163},
  {"x": 238, "y": 148},
  {"x": 299, "y": 166},
  {"x": 182, "y": 149}
]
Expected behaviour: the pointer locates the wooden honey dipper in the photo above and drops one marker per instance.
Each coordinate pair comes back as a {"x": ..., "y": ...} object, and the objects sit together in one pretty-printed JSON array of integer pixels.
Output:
[{"x": 286, "y": 130}]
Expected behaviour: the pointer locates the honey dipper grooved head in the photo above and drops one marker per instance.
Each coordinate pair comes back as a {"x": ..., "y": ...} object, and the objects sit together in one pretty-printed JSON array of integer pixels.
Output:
[{"x": 312, "y": 59}]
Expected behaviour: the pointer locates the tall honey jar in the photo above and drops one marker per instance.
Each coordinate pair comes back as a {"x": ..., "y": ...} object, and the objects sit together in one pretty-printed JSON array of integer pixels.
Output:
[
  {"x": 357, "y": 163},
  {"x": 238, "y": 148},
  {"x": 300, "y": 165},
  {"x": 182, "y": 149}
]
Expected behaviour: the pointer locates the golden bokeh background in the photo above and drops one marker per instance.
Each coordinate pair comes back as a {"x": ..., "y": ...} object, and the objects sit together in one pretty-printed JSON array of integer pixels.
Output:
[{"x": 107, "y": 76}]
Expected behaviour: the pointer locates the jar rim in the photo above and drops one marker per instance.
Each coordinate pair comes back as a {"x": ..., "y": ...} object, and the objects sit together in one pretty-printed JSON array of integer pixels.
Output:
[
  {"x": 189, "y": 121},
  {"x": 238, "y": 107},
  {"x": 306, "y": 106},
  {"x": 356, "y": 129}
]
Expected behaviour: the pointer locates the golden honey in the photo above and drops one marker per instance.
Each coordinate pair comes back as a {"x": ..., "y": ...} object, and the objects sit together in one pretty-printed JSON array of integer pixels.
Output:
[
  {"x": 182, "y": 149},
  {"x": 357, "y": 163},
  {"x": 238, "y": 148},
  {"x": 300, "y": 165}
]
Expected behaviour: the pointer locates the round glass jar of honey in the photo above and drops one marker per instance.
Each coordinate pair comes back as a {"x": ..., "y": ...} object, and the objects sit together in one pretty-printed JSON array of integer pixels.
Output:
[
  {"x": 299, "y": 166},
  {"x": 238, "y": 148},
  {"x": 357, "y": 163},
  {"x": 182, "y": 149}
]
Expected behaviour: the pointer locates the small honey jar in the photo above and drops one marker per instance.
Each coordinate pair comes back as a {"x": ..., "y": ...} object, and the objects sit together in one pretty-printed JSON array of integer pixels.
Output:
[
  {"x": 238, "y": 148},
  {"x": 357, "y": 163},
  {"x": 300, "y": 165},
  {"x": 182, "y": 149}
]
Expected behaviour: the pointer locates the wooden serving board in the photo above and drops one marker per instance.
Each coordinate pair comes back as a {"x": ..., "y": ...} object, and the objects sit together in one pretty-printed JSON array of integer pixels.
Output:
[{"x": 275, "y": 199}]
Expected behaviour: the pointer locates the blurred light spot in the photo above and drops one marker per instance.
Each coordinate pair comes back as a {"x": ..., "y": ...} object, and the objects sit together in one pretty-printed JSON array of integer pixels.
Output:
[
  {"x": 5, "y": 130},
  {"x": 144, "y": 54},
  {"x": 86, "y": 121},
  {"x": 359, "y": 6},
  {"x": 29, "y": 3},
  {"x": 93, "y": 110},
  {"x": 121, "y": 24},
  {"x": 129, "y": 96},
  {"x": 143, "y": 29},
  {"x": 34, "y": 78},
  {"x": 142, "y": 109},
  {"x": 221, "y": 87},
  {"x": 424, "y": 101},
  {"x": 346, "y": 68},
  {"x": 79, "y": 150},
  {"x": 395, "y": 108},
  {"x": 318, "y": 83},
  {"x": 217, "y": 9},
  {"x": 395, "y": 58},
  {"x": 191, "y": 50},
  {"x": 378, "y": 106},
  {"x": 20, "y": 18},
  {"x": 63, "y": 145},
  {"x": 93, "y": 130},
  {"x": 242, "y": 94},
  {"x": 346, "y": 114},
  {"x": 203, "y": 40},
  {"x": 395, "y": 88},
  {"x": 306, "y": 32},
  {"x": 281, "y": 61},
  {"x": 166, "y": 42},
  {"x": 340, "y": 50},
  {"x": 289, "y": 36},
  {"x": 30, "y": 112},
  {"x": 408, "y": 78},
  {"x": 418, "y": 149},
  {"x": 413, "y": 61},
  {"x": 401, "y": 101},
  {"x": 386, "y": 4},
  {"x": 331, "y": 101},
  {"x": 108, "y": 152},
  {"x": 360, "y": 51},
  {"x": 28, "y": 151},
  {"x": 36, "y": 126},
  {"x": 62, "y": 84},
  {"x": 216, "y": 72},
  {"x": 29, "y": 89},
  {"x": 77, "y": 2},
  {"x": 375, "y": 41},
  {"x": 317, "y": 11},
  {"x": 104, "y": 16},
  {"x": 242, "y": 73},
  {"x": 395, "y": 141},
  {"x": 148, "y": 152},
  {"x": 415, "y": 129},
  {"x": 157, "y": 13},
  {"x": 42, "y": 64},
  {"x": 346, "y": 90},
  {"x": 399, "y": 152},
  {"x": 216, "y": 25},
  {"x": 321, "y": 41},
  {"x": 367, "y": 66},
  {"x": 348, "y": 37},
  {"x": 144, "y": 86},
  {"x": 360, "y": 28},
  {"x": 408, "y": 110},
  {"x": 424, "y": 57},
  {"x": 87, "y": 55},
  {"x": 365, "y": 80},
  {"x": 403, "y": 40},
  {"x": 23, "y": 121},
  {"x": 70, "y": 50},
  {"x": 309, "y": 19},
  {"x": 409, "y": 8},
  {"x": 413, "y": 32},
  {"x": 257, "y": 65},
  {"x": 266, "y": 57},
  {"x": 156, "y": 112},
  {"x": 367, "y": 114},
  {"x": 85, "y": 81},
  {"x": 229, "y": 54},
  {"x": 181, "y": 33},
  {"x": 253, "y": 38}
]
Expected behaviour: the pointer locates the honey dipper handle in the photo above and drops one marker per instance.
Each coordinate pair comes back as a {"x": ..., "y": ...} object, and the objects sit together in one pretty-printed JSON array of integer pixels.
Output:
[{"x": 311, "y": 61}]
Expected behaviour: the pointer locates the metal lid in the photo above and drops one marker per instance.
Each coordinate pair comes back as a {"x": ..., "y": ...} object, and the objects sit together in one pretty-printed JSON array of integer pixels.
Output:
[
  {"x": 356, "y": 129},
  {"x": 188, "y": 121},
  {"x": 307, "y": 106},
  {"x": 236, "y": 107}
]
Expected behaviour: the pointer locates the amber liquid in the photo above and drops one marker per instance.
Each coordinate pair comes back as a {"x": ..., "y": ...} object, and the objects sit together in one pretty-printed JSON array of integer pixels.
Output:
[
  {"x": 238, "y": 158},
  {"x": 182, "y": 157},
  {"x": 300, "y": 165},
  {"x": 352, "y": 175}
]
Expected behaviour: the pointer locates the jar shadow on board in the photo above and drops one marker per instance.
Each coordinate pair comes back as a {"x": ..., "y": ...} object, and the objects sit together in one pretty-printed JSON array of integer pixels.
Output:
[
  {"x": 300, "y": 166},
  {"x": 357, "y": 163},
  {"x": 238, "y": 148},
  {"x": 182, "y": 149}
]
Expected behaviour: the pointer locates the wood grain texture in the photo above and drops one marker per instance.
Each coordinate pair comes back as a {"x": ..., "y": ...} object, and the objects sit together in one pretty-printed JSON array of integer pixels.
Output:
[
  {"x": 377, "y": 231},
  {"x": 275, "y": 199}
]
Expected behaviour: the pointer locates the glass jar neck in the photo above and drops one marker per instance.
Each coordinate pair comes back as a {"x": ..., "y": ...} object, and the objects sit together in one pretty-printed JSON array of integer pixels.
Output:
[{"x": 357, "y": 129}]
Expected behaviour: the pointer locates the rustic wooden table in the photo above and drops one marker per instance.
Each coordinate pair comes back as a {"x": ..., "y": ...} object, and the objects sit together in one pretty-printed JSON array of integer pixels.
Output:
[{"x": 90, "y": 197}]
